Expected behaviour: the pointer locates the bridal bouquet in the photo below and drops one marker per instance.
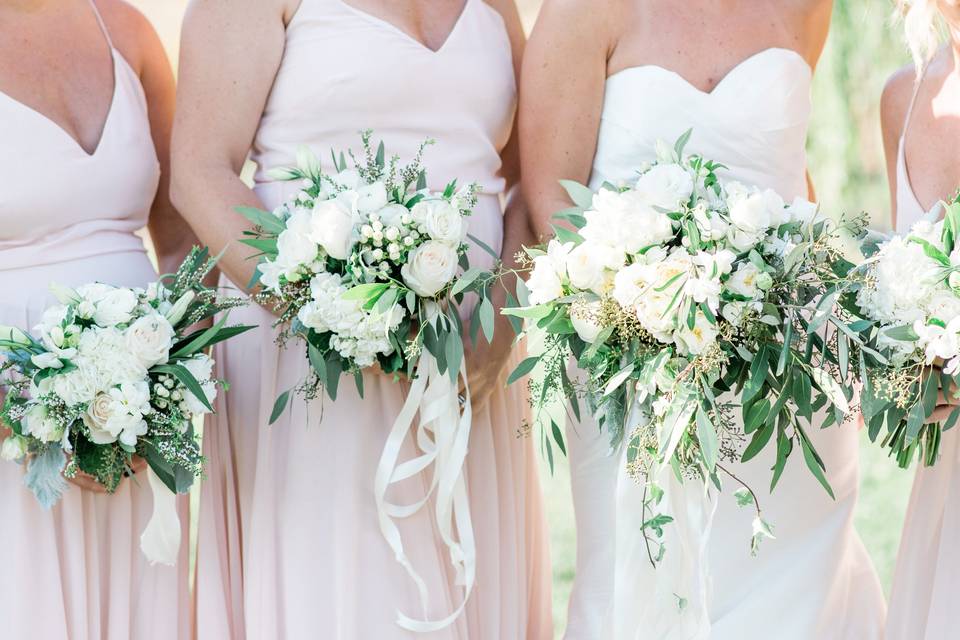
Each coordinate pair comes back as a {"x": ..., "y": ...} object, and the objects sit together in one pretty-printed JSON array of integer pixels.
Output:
[
  {"x": 111, "y": 373},
  {"x": 909, "y": 288},
  {"x": 702, "y": 312},
  {"x": 364, "y": 266}
]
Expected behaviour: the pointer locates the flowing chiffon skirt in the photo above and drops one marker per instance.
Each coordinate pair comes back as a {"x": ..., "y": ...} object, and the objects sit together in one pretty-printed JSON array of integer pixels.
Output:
[
  {"x": 927, "y": 577},
  {"x": 289, "y": 542},
  {"x": 76, "y": 571}
]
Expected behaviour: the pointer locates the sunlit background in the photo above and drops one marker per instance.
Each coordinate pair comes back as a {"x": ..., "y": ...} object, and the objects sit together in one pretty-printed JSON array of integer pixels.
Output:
[{"x": 846, "y": 161}]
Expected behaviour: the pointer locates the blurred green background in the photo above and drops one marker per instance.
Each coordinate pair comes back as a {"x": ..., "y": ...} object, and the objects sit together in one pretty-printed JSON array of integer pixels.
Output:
[{"x": 847, "y": 165}]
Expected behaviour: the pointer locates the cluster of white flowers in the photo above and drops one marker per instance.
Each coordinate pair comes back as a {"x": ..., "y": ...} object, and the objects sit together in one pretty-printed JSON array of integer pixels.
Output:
[
  {"x": 671, "y": 242},
  {"x": 908, "y": 287},
  {"x": 99, "y": 345},
  {"x": 341, "y": 231}
]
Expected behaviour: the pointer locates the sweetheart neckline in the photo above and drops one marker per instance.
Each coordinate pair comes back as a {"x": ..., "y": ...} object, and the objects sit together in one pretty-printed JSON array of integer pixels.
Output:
[{"x": 723, "y": 81}]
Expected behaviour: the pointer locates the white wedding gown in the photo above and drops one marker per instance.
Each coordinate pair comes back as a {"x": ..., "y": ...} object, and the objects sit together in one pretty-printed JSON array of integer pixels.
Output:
[{"x": 815, "y": 581}]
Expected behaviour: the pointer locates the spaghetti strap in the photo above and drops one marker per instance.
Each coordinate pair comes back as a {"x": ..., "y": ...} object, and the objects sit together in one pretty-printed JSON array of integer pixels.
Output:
[{"x": 103, "y": 25}]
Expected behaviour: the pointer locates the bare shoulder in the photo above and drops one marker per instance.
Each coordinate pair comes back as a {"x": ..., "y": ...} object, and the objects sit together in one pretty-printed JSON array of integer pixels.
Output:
[
  {"x": 573, "y": 19},
  {"x": 895, "y": 100},
  {"x": 132, "y": 33}
]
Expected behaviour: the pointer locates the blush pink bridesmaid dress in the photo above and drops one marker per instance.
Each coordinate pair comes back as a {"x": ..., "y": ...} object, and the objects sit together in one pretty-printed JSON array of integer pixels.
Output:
[
  {"x": 927, "y": 576},
  {"x": 67, "y": 216},
  {"x": 289, "y": 542}
]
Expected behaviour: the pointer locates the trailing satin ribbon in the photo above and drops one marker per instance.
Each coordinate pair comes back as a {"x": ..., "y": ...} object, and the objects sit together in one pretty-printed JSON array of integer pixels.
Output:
[
  {"x": 442, "y": 436},
  {"x": 160, "y": 541}
]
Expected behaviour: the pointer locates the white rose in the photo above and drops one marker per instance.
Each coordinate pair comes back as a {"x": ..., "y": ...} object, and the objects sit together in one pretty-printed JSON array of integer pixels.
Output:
[
  {"x": 149, "y": 340},
  {"x": 294, "y": 250},
  {"x": 696, "y": 341},
  {"x": 371, "y": 197},
  {"x": 201, "y": 368},
  {"x": 666, "y": 186},
  {"x": 584, "y": 318},
  {"x": 430, "y": 268},
  {"x": 801, "y": 210},
  {"x": 749, "y": 210},
  {"x": 115, "y": 307},
  {"x": 332, "y": 227},
  {"x": 442, "y": 221},
  {"x": 39, "y": 424},
  {"x": 14, "y": 448},
  {"x": 97, "y": 419},
  {"x": 591, "y": 266}
]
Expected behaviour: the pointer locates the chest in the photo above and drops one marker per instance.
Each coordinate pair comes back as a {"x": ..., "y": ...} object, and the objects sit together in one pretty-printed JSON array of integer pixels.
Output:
[
  {"x": 702, "y": 41},
  {"x": 63, "y": 73},
  {"x": 429, "y": 22},
  {"x": 932, "y": 156}
]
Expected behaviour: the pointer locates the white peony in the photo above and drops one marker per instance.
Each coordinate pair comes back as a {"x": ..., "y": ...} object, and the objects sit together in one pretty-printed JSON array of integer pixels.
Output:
[
  {"x": 625, "y": 221},
  {"x": 111, "y": 306},
  {"x": 149, "y": 340},
  {"x": 371, "y": 197},
  {"x": 332, "y": 227},
  {"x": 442, "y": 221},
  {"x": 697, "y": 340},
  {"x": 591, "y": 266},
  {"x": 430, "y": 268},
  {"x": 665, "y": 186},
  {"x": 392, "y": 215},
  {"x": 802, "y": 210},
  {"x": 295, "y": 249}
]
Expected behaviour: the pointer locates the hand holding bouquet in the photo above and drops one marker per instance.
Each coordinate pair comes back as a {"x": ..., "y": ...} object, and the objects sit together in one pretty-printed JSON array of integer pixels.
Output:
[
  {"x": 111, "y": 373},
  {"x": 909, "y": 288}
]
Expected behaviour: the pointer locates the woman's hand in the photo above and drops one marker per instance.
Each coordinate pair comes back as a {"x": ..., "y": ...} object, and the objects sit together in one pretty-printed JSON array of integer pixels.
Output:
[
  {"x": 87, "y": 482},
  {"x": 947, "y": 402}
]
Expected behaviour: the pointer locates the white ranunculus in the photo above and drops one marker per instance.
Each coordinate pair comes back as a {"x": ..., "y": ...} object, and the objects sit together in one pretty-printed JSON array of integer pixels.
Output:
[
  {"x": 430, "y": 268},
  {"x": 584, "y": 318},
  {"x": 743, "y": 281},
  {"x": 201, "y": 367},
  {"x": 115, "y": 307},
  {"x": 371, "y": 197},
  {"x": 149, "y": 340},
  {"x": 14, "y": 448},
  {"x": 97, "y": 419},
  {"x": 442, "y": 221},
  {"x": 39, "y": 424},
  {"x": 697, "y": 340},
  {"x": 591, "y": 266},
  {"x": 666, "y": 186},
  {"x": 332, "y": 227}
]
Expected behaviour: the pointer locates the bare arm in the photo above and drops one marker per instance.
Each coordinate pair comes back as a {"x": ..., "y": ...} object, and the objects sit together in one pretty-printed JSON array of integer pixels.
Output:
[
  {"x": 893, "y": 111},
  {"x": 561, "y": 101},
  {"x": 230, "y": 53}
]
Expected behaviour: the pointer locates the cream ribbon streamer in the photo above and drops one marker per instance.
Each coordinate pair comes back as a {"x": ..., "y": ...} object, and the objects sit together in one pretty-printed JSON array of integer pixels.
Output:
[
  {"x": 442, "y": 436},
  {"x": 160, "y": 541}
]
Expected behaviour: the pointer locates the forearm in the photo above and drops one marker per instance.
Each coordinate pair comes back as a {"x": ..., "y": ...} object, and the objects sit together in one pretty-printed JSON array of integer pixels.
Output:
[{"x": 208, "y": 200}]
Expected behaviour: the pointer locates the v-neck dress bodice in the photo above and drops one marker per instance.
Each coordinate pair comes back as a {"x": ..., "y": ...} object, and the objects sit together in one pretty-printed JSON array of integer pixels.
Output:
[
  {"x": 69, "y": 217},
  {"x": 58, "y": 202},
  {"x": 755, "y": 122}
]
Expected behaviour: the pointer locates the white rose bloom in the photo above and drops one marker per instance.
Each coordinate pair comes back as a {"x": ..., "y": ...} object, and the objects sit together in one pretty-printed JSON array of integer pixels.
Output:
[
  {"x": 584, "y": 320},
  {"x": 591, "y": 266},
  {"x": 749, "y": 209},
  {"x": 430, "y": 267},
  {"x": 636, "y": 287},
  {"x": 667, "y": 186},
  {"x": 97, "y": 419},
  {"x": 443, "y": 222},
  {"x": 392, "y": 215},
  {"x": 904, "y": 283},
  {"x": 39, "y": 424},
  {"x": 697, "y": 340},
  {"x": 775, "y": 206},
  {"x": 14, "y": 448},
  {"x": 371, "y": 197},
  {"x": 149, "y": 340},
  {"x": 115, "y": 307},
  {"x": 332, "y": 227},
  {"x": 201, "y": 367},
  {"x": 295, "y": 250}
]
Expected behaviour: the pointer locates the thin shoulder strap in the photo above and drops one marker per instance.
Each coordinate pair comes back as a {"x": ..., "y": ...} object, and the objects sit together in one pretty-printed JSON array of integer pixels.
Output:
[
  {"x": 913, "y": 101},
  {"x": 103, "y": 25}
]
